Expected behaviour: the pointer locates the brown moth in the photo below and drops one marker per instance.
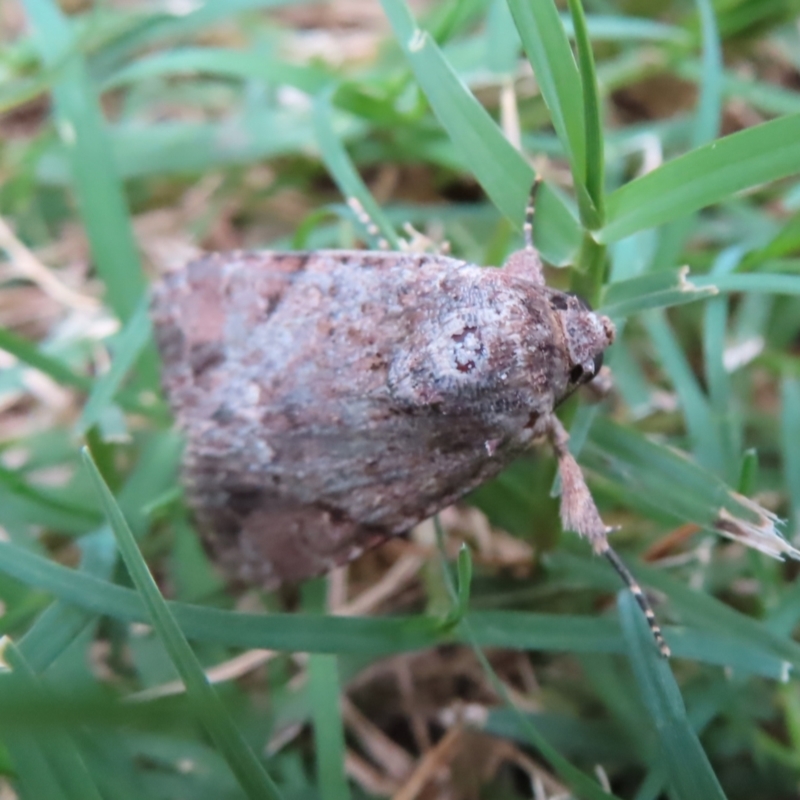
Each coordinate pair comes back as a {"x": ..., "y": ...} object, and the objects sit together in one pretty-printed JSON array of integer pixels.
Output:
[{"x": 333, "y": 399}]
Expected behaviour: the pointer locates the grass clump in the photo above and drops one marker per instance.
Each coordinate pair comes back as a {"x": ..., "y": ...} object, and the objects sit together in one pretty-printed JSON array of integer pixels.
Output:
[{"x": 668, "y": 140}]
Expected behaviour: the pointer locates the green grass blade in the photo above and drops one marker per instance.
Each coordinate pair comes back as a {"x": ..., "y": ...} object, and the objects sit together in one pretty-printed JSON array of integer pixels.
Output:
[
  {"x": 19, "y": 92},
  {"x": 244, "y": 764},
  {"x": 292, "y": 632},
  {"x": 708, "y": 116},
  {"x": 618, "y": 28},
  {"x": 61, "y": 622},
  {"x": 220, "y": 61},
  {"x": 480, "y": 141},
  {"x": 58, "y": 748},
  {"x": 372, "y": 636},
  {"x": 705, "y": 128},
  {"x": 323, "y": 677},
  {"x": 765, "y": 97},
  {"x": 30, "y": 354},
  {"x": 757, "y": 282},
  {"x": 593, "y": 125},
  {"x": 705, "y": 176},
  {"x": 722, "y": 402},
  {"x": 661, "y": 289},
  {"x": 703, "y": 434},
  {"x": 129, "y": 345},
  {"x": 177, "y": 147},
  {"x": 33, "y": 771},
  {"x": 583, "y": 786},
  {"x": 790, "y": 442},
  {"x": 341, "y": 168},
  {"x": 547, "y": 47},
  {"x": 99, "y": 192},
  {"x": 153, "y": 28},
  {"x": 570, "y": 633},
  {"x": 325, "y": 698},
  {"x": 590, "y": 740},
  {"x": 706, "y": 623},
  {"x": 502, "y": 172},
  {"x": 502, "y": 42},
  {"x": 709, "y": 614},
  {"x": 657, "y": 476},
  {"x": 47, "y": 506},
  {"x": 688, "y": 770}
]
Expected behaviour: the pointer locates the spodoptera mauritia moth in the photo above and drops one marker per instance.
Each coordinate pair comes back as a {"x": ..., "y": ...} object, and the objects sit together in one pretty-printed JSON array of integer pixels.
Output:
[{"x": 333, "y": 399}]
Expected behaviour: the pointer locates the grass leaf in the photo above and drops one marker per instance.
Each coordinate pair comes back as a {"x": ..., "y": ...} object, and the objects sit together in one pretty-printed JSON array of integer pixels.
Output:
[
  {"x": 703, "y": 434},
  {"x": 547, "y": 47},
  {"x": 56, "y": 746},
  {"x": 341, "y": 168},
  {"x": 30, "y": 354},
  {"x": 220, "y": 61},
  {"x": 593, "y": 125},
  {"x": 790, "y": 441},
  {"x": 323, "y": 676},
  {"x": 705, "y": 176},
  {"x": 128, "y": 347},
  {"x": 708, "y": 116},
  {"x": 99, "y": 192},
  {"x": 687, "y": 768},
  {"x": 247, "y": 768},
  {"x": 498, "y": 167},
  {"x": 660, "y": 289}
]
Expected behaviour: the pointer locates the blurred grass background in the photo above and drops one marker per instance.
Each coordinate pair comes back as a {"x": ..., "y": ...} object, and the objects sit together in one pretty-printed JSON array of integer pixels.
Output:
[{"x": 133, "y": 135}]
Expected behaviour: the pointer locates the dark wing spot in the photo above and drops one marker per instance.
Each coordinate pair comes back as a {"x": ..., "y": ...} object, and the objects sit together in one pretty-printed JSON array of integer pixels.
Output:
[
  {"x": 460, "y": 337},
  {"x": 223, "y": 415},
  {"x": 171, "y": 342},
  {"x": 244, "y": 500},
  {"x": 204, "y": 356}
]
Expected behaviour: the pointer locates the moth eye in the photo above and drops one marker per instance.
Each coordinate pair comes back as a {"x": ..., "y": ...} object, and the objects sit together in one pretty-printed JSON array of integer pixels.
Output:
[
  {"x": 579, "y": 375},
  {"x": 559, "y": 301},
  {"x": 598, "y": 364}
]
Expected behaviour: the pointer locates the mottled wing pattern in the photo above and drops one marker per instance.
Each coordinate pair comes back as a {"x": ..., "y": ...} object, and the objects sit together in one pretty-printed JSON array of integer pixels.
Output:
[{"x": 333, "y": 399}]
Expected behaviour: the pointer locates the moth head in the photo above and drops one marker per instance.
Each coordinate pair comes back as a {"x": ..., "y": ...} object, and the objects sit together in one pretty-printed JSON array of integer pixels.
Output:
[{"x": 586, "y": 336}]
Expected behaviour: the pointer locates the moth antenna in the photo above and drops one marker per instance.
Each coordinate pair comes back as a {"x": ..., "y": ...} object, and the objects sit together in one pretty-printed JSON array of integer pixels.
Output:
[
  {"x": 606, "y": 550},
  {"x": 530, "y": 210},
  {"x": 373, "y": 231},
  {"x": 526, "y": 262}
]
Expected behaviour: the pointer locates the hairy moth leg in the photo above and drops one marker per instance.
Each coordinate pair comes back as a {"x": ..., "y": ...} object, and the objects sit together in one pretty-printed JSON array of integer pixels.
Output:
[{"x": 579, "y": 513}]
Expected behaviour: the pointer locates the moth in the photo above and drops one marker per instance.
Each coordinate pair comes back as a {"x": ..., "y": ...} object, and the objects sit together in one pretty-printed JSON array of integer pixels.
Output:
[{"x": 333, "y": 399}]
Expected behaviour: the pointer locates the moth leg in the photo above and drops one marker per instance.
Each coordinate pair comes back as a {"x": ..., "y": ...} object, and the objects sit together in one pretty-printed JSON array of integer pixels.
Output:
[
  {"x": 526, "y": 262},
  {"x": 419, "y": 242},
  {"x": 579, "y": 513},
  {"x": 373, "y": 231}
]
